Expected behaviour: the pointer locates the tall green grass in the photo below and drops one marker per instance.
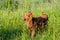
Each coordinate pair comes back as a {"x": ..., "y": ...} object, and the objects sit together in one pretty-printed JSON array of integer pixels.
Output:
[{"x": 12, "y": 26}]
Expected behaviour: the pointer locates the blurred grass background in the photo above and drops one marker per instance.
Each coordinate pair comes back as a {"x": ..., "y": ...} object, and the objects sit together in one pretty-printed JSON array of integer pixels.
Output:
[{"x": 12, "y": 26}]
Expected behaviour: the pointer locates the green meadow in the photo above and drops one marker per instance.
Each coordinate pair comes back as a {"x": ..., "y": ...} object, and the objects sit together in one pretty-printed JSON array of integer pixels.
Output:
[{"x": 12, "y": 26}]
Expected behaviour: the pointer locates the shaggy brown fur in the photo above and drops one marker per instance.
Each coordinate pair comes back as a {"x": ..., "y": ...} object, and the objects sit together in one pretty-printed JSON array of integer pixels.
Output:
[
  {"x": 28, "y": 18},
  {"x": 34, "y": 24},
  {"x": 42, "y": 21}
]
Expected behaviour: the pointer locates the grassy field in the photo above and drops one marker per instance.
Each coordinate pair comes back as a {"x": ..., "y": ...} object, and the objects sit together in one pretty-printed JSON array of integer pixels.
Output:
[{"x": 12, "y": 26}]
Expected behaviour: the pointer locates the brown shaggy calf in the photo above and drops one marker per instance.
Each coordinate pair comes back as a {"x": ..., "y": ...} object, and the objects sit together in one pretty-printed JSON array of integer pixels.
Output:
[{"x": 35, "y": 24}]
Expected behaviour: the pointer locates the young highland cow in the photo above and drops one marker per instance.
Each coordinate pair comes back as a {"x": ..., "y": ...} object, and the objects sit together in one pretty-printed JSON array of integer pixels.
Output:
[{"x": 35, "y": 24}]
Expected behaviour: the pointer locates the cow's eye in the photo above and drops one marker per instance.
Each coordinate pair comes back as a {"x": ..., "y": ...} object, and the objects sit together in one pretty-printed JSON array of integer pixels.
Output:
[{"x": 28, "y": 15}]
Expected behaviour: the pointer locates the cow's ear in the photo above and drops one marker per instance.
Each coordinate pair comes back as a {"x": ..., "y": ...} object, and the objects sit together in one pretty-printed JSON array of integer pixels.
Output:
[{"x": 32, "y": 15}]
